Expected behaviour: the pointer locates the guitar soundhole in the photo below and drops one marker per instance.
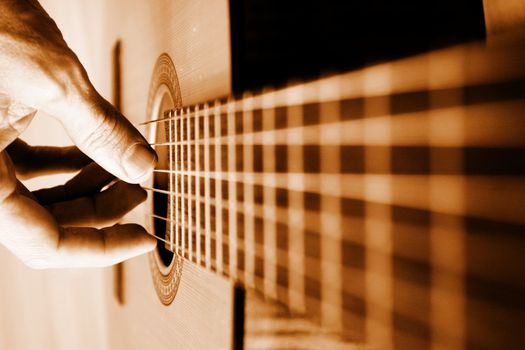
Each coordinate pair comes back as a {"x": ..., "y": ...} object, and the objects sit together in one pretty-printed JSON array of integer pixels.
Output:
[{"x": 165, "y": 266}]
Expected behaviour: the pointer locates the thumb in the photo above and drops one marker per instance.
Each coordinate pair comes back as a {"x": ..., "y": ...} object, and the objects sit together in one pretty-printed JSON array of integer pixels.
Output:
[
  {"x": 14, "y": 119},
  {"x": 107, "y": 137}
]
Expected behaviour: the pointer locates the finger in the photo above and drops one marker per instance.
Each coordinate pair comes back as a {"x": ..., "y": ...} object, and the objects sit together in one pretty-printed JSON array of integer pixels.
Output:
[
  {"x": 89, "y": 181},
  {"x": 31, "y": 161},
  {"x": 89, "y": 247},
  {"x": 102, "y": 209},
  {"x": 106, "y": 136},
  {"x": 26, "y": 228},
  {"x": 14, "y": 119},
  {"x": 8, "y": 182},
  {"x": 30, "y": 232}
]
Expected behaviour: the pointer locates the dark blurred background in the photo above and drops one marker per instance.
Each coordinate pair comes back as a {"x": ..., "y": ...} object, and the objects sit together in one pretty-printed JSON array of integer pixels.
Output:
[{"x": 274, "y": 41}]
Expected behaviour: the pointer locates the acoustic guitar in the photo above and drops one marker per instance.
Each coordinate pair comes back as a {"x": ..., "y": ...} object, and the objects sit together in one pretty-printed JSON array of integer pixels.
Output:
[{"x": 379, "y": 205}]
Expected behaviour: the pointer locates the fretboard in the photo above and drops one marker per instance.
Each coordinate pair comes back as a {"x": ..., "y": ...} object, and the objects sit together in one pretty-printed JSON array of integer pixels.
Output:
[{"x": 373, "y": 200}]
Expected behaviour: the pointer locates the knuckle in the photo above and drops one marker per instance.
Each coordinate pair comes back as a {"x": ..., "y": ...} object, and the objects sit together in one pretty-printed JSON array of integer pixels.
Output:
[{"x": 104, "y": 134}]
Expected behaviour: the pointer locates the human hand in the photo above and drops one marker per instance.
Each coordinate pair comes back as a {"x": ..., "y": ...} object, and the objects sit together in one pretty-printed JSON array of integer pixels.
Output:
[{"x": 38, "y": 69}]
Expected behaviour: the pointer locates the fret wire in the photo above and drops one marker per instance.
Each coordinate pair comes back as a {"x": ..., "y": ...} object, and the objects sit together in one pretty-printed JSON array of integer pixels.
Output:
[
  {"x": 290, "y": 136},
  {"x": 296, "y": 213},
  {"x": 378, "y": 264},
  {"x": 224, "y": 235},
  {"x": 282, "y": 134},
  {"x": 197, "y": 186},
  {"x": 283, "y": 99},
  {"x": 232, "y": 193},
  {"x": 329, "y": 221},
  {"x": 207, "y": 214},
  {"x": 248, "y": 188},
  {"x": 176, "y": 185},
  {"x": 171, "y": 115},
  {"x": 299, "y": 217},
  {"x": 269, "y": 196},
  {"x": 240, "y": 105},
  {"x": 185, "y": 196},
  {"x": 218, "y": 186},
  {"x": 224, "y": 106},
  {"x": 301, "y": 182},
  {"x": 282, "y": 96},
  {"x": 188, "y": 162},
  {"x": 342, "y": 133},
  {"x": 297, "y": 186},
  {"x": 170, "y": 177},
  {"x": 259, "y": 251},
  {"x": 182, "y": 166},
  {"x": 224, "y": 202}
]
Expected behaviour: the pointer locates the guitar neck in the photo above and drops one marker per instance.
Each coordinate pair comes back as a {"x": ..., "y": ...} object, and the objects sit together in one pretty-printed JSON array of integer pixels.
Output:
[
  {"x": 296, "y": 191},
  {"x": 245, "y": 187}
]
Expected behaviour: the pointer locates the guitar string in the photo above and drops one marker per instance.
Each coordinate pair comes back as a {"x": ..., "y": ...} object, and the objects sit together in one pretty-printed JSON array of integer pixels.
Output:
[
  {"x": 187, "y": 112},
  {"x": 181, "y": 251},
  {"x": 222, "y": 107},
  {"x": 159, "y": 121},
  {"x": 200, "y": 199},
  {"x": 259, "y": 134},
  {"x": 192, "y": 198},
  {"x": 238, "y": 105},
  {"x": 234, "y": 105},
  {"x": 189, "y": 197},
  {"x": 193, "y": 236},
  {"x": 195, "y": 111},
  {"x": 262, "y": 137},
  {"x": 157, "y": 237},
  {"x": 186, "y": 142}
]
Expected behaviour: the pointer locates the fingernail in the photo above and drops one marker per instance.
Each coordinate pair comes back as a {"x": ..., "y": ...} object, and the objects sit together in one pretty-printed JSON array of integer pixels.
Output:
[{"x": 139, "y": 161}]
